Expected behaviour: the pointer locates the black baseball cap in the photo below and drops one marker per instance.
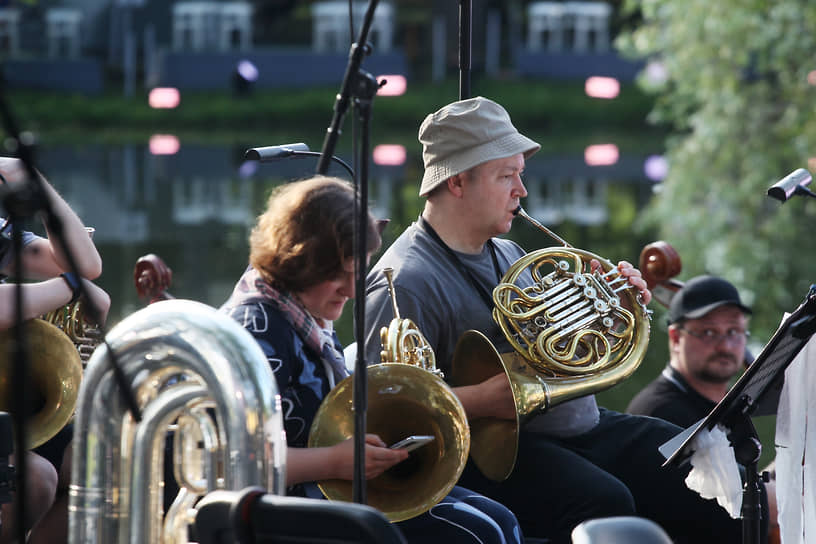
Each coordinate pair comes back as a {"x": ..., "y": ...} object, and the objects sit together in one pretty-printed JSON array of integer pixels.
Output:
[{"x": 702, "y": 294}]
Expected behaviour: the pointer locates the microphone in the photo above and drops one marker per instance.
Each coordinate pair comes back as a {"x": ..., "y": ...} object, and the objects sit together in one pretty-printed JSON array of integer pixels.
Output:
[
  {"x": 275, "y": 152},
  {"x": 792, "y": 184}
]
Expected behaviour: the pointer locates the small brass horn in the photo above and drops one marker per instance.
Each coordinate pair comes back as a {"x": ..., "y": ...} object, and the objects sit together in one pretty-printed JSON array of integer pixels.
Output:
[{"x": 406, "y": 396}]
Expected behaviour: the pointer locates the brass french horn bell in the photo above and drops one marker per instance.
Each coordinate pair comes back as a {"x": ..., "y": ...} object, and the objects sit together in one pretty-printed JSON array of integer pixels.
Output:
[
  {"x": 574, "y": 332},
  {"x": 55, "y": 372},
  {"x": 406, "y": 396}
]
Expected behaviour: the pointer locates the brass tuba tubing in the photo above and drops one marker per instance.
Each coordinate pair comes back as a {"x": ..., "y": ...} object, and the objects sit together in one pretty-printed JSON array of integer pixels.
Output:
[{"x": 174, "y": 354}]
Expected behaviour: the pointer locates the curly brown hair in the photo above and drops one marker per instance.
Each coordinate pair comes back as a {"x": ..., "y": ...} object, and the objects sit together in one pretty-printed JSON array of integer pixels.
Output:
[{"x": 307, "y": 233}]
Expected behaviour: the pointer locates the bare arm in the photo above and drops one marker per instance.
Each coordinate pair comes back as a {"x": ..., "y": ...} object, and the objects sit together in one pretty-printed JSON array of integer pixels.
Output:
[
  {"x": 337, "y": 462},
  {"x": 42, "y": 297},
  {"x": 490, "y": 398},
  {"x": 48, "y": 259}
]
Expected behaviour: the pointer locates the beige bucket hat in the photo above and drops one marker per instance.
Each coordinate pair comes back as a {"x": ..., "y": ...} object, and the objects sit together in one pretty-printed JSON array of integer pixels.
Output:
[{"x": 465, "y": 134}]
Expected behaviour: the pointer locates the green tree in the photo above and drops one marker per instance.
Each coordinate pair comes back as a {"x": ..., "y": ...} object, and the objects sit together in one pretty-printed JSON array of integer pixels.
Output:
[{"x": 738, "y": 97}]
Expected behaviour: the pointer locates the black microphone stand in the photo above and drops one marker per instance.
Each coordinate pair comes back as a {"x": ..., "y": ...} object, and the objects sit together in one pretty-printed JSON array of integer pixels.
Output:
[
  {"x": 465, "y": 47},
  {"x": 361, "y": 86},
  {"x": 24, "y": 200}
]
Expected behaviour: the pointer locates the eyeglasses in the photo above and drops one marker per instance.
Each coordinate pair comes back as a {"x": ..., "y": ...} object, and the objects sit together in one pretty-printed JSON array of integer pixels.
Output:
[{"x": 713, "y": 336}]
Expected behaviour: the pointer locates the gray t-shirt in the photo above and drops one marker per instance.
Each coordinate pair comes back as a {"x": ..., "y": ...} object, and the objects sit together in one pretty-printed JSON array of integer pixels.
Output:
[
  {"x": 6, "y": 244},
  {"x": 433, "y": 290}
]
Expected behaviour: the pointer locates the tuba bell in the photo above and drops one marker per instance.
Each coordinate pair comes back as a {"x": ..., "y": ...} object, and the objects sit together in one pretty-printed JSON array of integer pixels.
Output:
[
  {"x": 574, "y": 331},
  {"x": 406, "y": 396},
  {"x": 60, "y": 344},
  {"x": 197, "y": 374},
  {"x": 55, "y": 370}
]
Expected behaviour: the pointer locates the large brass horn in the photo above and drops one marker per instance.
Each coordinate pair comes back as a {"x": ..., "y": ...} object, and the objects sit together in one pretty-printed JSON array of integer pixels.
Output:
[
  {"x": 60, "y": 344},
  {"x": 575, "y": 331},
  {"x": 55, "y": 370},
  {"x": 193, "y": 370},
  {"x": 406, "y": 396}
]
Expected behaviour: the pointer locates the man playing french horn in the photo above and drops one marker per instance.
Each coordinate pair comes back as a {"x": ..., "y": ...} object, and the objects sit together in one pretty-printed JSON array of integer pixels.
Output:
[
  {"x": 51, "y": 286},
  {"x": 575, "y": 461}
]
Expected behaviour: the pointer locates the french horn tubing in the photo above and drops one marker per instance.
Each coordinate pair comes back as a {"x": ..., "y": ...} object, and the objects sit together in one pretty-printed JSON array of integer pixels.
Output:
[
  {"x": 406, "y": 396},
  {"x": 574, "y": 331}
]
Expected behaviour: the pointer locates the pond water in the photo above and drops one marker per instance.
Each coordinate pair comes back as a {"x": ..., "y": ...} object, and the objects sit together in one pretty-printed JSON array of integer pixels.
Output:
[{"x": 194, "y": 209}]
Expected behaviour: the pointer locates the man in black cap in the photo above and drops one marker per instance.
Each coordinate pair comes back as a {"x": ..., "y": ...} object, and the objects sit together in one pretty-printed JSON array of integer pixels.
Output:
[
  {"x": 708, "y": 330},
  {"x": 707, "y": 335}
]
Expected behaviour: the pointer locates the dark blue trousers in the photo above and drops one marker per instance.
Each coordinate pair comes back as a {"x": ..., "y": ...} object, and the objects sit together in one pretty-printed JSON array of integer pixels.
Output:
[
  {"x": 613, "y": 470},
  {"x": 463, "y": 517}
]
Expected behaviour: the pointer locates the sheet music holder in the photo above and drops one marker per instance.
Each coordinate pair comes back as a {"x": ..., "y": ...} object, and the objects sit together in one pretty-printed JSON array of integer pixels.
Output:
[{"x": 755, "y": 393}]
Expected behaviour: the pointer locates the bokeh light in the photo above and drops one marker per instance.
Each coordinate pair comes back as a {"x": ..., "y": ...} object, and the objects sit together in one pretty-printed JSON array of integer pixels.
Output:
[
  {"x": 164, "y": 144},
  {"x": 656, "y": 167},
  {"x": 602, "y": 87},
  {"x": 164, "y": 97},
  {"x": 601, "y": 154},
  {"x": 395, "y": 85},
  {"x": 389, "y": 154}
]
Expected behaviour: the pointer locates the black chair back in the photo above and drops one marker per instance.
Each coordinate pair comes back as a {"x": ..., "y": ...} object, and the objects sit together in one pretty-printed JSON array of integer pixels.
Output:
[{"x": 252, "y": 516}]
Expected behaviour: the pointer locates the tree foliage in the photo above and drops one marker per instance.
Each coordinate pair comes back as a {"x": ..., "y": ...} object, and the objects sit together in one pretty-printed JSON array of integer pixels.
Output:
[{"x": 737, "y": 97}]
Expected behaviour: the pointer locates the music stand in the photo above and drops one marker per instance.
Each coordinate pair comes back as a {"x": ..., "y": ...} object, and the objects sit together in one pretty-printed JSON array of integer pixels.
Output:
[{"x": 755, "y": 393}]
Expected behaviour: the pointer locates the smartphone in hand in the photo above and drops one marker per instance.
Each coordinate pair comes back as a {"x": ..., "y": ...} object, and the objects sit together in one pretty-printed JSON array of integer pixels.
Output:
[{"x": 412, "y": 442}]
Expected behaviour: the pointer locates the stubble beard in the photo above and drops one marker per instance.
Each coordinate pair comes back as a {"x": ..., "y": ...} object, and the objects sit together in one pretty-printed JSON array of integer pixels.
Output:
[{"x": 706, "y": 374}]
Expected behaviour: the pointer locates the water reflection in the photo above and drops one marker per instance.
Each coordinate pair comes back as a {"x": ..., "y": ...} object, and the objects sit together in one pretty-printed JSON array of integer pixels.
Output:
[{"x": 194, "y": 208}]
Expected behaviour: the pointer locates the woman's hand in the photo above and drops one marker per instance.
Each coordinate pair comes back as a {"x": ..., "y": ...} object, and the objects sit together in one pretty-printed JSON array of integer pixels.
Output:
[{"x": 378, "y": 457}]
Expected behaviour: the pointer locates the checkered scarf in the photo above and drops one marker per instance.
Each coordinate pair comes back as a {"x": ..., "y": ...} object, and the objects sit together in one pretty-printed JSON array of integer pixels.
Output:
[{"x": 253, "y": 286}]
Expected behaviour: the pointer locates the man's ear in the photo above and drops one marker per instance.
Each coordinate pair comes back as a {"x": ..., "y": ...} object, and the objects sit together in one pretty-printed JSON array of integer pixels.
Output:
[
  {"x": 456, "y": 184},
  {"x": 674, "y": 335}
]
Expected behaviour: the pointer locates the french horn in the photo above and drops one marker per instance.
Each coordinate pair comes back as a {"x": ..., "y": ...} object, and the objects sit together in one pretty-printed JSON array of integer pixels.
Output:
[
  {"x": 406, "y": 396},
  {"x": 575, "y": 330}
]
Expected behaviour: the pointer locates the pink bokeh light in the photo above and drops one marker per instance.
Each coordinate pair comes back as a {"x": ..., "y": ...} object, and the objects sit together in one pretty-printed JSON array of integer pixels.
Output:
[
  {"x": 601, "y": 154},
  {"x": 602, "y": 87},
  {"x": 389, "y": 155},
  {"x": 395, "y": 85},
  {"x": 164, "y": 97},
  {"x": 164, "y": 144}
]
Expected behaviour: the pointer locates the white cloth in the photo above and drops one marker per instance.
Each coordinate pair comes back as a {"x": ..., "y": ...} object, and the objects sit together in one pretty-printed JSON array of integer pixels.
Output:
[
  {"x": 714, "y": 473},
  {"x": 796, "y": 450}
]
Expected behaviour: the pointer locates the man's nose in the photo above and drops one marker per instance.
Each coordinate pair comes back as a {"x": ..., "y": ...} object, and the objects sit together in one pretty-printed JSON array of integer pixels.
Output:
[{"x": 521, "y": 190}]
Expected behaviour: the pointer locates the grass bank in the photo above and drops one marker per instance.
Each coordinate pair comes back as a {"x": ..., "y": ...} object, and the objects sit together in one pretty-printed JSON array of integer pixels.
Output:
[{"x": 555, "y": 111}]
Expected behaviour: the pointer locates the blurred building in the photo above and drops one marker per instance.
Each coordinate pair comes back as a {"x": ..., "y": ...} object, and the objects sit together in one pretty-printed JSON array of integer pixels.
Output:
[{"x": 91, "y": 45}]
